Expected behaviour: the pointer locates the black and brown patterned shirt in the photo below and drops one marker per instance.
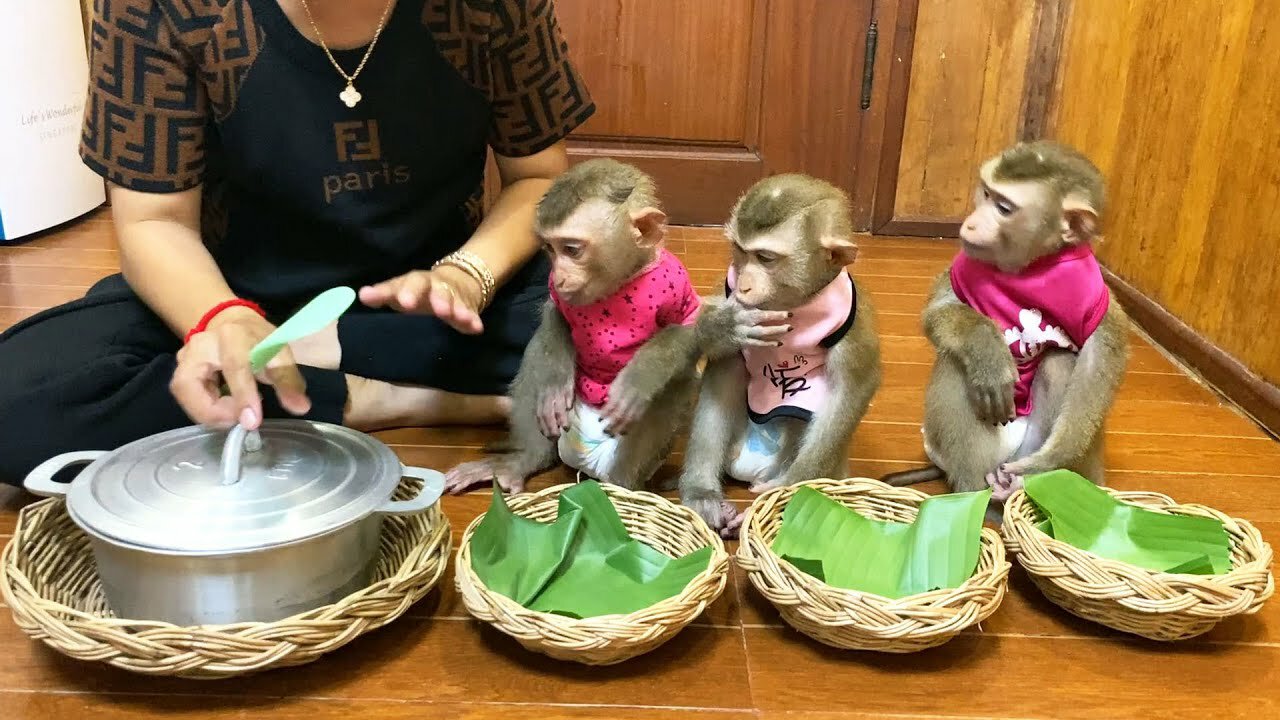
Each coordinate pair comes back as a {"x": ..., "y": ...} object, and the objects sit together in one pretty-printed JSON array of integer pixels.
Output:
[{"x": 301, "y": 192}]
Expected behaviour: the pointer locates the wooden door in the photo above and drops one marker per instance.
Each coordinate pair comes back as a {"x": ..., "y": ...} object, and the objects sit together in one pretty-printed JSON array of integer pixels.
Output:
[
  {"x": 709, "y": 96},
  {"x": 973, "y": 77}
]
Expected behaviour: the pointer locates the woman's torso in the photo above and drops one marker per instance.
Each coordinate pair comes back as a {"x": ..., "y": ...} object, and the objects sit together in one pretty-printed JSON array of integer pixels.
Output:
[{"x": 306, "y": 193}]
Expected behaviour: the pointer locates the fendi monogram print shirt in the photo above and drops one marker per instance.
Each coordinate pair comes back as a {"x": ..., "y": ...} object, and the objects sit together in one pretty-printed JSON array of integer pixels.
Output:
[{"x": 301, "y": 192}]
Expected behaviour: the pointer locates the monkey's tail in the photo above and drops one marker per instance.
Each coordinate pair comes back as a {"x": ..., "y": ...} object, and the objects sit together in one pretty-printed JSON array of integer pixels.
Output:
[{"x": 912, "y": 477}]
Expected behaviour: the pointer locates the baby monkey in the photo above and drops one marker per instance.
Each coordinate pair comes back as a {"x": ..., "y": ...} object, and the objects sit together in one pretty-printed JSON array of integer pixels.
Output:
[
  {"x": 1030, "y": 348},
  {"x": 609, "y": 376},
  {"x": 793, "y": 358}
]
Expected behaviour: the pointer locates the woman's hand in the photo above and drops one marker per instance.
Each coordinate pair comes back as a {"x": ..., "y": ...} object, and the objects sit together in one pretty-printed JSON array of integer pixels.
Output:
[
  {"x": 447, "y": 292},
  {"x": 221, "y": 354}
]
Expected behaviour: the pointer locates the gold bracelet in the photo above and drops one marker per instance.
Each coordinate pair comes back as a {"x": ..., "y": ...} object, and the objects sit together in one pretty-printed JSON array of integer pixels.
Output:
[{"x": 472, "y": 265}]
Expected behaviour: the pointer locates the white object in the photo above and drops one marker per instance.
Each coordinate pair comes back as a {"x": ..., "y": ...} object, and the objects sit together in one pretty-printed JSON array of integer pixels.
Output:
[
  {"x": 760, "y": 458},
  {"x": 585, "y": 446},
  {"x": 44, "y": 75}
]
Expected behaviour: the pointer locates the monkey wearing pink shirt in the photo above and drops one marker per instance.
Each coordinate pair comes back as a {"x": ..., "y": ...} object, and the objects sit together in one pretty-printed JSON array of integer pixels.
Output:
[
  {"x": 609, "y": 377},
  {"x": 778, "y": 407},
  {"x": 1030, "y": 346}
]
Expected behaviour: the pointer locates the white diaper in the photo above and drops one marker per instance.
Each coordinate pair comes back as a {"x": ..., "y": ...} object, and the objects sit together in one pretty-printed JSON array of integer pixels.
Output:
[
  {"x": 585, "y": 446},
  {"x": 1011, "y": 437},
  {"x": 761, "y": 455}
]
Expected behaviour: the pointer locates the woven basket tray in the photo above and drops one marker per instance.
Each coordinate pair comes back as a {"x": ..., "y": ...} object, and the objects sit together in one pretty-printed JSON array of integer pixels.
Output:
[
  {"x": 853, "y": 620},
  {"x": 608, "y": 639},
  {"x": 51, "y": 585},
  {"x": 1159, "y": 606}
]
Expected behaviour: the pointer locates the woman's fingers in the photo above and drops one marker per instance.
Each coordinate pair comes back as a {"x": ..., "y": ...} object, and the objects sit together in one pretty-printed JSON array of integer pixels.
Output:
[
  {"x": 448, "y": 305},
  {"x": 236, "y": 373},
  {"x": 379, "y": 295},
  {"x": 403, "y": 293},
  {"x": 440, "y": 299},
  {"x": 413, "y": 289},
  {"x": 195, "y": 385},
  {"x": 291, "y": 389},
  {"x": 422, "y": 291}
]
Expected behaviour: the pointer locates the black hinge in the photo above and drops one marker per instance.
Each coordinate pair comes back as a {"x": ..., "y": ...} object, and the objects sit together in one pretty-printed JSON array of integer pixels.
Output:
[{"x": 869, "y": 65}]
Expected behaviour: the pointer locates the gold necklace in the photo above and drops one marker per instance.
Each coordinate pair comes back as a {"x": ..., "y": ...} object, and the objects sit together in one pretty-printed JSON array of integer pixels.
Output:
[{"x": 349, "y": 95}]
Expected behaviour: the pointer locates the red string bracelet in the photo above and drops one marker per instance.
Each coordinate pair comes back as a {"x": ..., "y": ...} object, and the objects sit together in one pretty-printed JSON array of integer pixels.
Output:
[{"x": 213, "y": 312}]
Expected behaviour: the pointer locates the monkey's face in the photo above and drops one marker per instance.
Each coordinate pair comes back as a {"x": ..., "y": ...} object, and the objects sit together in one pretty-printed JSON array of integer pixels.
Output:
[
  {"x": 777, "y": 270},
  {"x": 1014, "y": 223},
  {"x": 1011, "y": 223},
  {"x": 599, "y": 247}
]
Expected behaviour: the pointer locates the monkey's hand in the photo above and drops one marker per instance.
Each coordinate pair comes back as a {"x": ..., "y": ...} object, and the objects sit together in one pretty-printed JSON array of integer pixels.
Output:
[
  {"x": 554, "y": 403},
  {"x": 1008, "y": 477},
  {"x": 630, "y": 396},
  {"x": 729, "y": 326},
  {"x": 991, "y": 372},
  {"x": 1004, "y": 483},
  {"x": 627, "y": 402},
  {"x": 719, "y": 514}
]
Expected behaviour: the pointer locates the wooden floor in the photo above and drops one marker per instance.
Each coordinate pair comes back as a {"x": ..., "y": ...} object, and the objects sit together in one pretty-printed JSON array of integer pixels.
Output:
[{"x": 1166, "y": 433}]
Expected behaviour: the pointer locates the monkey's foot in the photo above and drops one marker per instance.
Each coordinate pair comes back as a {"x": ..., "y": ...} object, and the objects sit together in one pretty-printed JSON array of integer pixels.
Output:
[
  {"x": 720, "y": 515},
  {"x": 760, "y": 487},
  {"x": 481, "y": 472},
  {"x": 733, "y": 518}
]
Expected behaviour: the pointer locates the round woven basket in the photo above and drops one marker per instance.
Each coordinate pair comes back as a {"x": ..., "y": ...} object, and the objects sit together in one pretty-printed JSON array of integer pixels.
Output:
[
  {"x": 853, "y": 620},
  {"x": 50, "y": 582},
  {"x": 1159, "y": 606},
  {"x": 609, "y": 639}
]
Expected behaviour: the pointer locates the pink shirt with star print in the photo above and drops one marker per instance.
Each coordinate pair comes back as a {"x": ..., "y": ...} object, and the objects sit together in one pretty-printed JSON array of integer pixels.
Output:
[{"x": 607, "y": 333}]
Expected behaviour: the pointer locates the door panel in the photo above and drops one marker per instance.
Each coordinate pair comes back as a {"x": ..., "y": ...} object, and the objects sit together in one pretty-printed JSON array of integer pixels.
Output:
[
  {"x": 658, "y": 70},
  {"x": 963, "y": 104},
  {"x": 710, "y": 96},
  {"x": 975, "y": 77}
]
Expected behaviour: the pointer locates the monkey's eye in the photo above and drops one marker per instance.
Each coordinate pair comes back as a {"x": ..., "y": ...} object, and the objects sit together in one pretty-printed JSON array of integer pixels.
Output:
[
  {"x": 986, "y": 194},
  {"x": 1005, "y": 208},
  {"x": 572, "y": 251},
  {"x": 766, "y": 258}
]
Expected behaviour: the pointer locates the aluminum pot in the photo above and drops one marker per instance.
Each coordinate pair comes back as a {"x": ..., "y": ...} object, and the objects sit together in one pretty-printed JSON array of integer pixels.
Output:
[{"x": 199, "y": 527}]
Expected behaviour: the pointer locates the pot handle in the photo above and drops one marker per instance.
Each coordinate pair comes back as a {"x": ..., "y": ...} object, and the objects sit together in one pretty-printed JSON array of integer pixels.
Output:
[
  {"x": 239, "y": 441},
  {"x": 40, "y": 481},
  {"x": 432, "y": 489}
]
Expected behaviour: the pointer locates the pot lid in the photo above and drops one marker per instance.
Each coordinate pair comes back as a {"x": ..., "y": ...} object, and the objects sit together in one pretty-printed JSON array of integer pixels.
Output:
[{"x": 200, "y": 491}]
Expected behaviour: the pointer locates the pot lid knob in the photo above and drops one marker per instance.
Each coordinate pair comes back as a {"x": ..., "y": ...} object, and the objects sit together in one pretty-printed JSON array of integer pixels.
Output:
[{"x": 239, "y": 441}]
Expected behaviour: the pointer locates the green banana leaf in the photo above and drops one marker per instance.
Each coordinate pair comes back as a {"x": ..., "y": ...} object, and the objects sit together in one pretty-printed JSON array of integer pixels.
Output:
[
  {"x": 1082, "y": 514},
  {"x": 585, "y": 564},
  {"x": 516, "y": 556},
  {"x": 844, "y": 549}
]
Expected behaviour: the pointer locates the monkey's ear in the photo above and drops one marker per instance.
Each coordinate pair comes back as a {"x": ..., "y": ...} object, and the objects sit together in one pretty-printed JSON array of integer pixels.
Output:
[
  {"x": 652, "y": 224},
  {"x": 842, "y": 250},
  {"x": 1079, "y": 221}
]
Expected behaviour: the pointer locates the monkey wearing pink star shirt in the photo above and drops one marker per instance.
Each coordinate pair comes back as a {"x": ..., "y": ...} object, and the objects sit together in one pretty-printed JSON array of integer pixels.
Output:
[{"x": 609, "y": 377}]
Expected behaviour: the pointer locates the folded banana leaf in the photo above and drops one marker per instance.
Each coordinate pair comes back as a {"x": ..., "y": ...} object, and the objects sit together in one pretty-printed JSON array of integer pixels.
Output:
[
  {"x": 845, "y": 549},
  {"x": 585, "y": 564},
  {"x": 1082, "y": 514},
  {"x": 517, "y": 557}
]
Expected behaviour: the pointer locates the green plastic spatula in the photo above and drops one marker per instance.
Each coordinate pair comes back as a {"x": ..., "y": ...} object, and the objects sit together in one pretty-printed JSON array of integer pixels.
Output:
[{"x": 327, "y": 307}]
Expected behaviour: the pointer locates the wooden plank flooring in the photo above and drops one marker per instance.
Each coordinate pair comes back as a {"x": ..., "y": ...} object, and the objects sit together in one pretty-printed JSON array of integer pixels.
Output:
[{"x": 1167, "y": 433}]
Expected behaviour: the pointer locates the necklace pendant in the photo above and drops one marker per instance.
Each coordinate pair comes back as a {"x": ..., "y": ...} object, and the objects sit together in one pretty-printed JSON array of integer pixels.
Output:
[{"x": 350, "y": 96}]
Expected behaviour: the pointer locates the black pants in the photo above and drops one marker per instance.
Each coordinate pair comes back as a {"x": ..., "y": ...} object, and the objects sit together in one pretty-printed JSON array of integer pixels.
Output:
[{"x": 94, "y": 374}]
